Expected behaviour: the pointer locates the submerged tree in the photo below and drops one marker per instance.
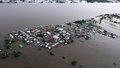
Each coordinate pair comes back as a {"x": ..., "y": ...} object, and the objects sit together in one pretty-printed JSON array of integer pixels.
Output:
[
  {"x": 4, "y": 55},
  {"x": 79, "y": 22},
  {"x": 73, "y": 63},
  {"x": 51, "y": 53},
  {"x": 16, "y": 53}
]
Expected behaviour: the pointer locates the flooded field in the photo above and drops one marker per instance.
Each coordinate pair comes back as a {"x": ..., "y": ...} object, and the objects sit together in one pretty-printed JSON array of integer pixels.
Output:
[{"x": 99, "y": 52}]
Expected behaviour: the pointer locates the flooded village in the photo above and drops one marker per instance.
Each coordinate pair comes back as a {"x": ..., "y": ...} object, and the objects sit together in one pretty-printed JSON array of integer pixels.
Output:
[
  {"x": 59, "y": 36},
  {"x": 51, "y": 36}
]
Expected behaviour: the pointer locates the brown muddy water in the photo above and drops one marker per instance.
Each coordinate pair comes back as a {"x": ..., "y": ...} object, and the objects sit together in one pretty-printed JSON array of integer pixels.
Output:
[{"x": 99, "y": 52}]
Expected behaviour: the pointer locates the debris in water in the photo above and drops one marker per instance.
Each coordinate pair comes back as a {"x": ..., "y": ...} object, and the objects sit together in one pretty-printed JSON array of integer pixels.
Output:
[{"x": 63, "y": 57}]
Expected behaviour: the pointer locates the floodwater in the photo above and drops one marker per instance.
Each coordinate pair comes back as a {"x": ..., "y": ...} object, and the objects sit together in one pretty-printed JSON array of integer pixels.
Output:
[
  {"x": 99, "y": 52},
  {"x": 18, "y": 16}
]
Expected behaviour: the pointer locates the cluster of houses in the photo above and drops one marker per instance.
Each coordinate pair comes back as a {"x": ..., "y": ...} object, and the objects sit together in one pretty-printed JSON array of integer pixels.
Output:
[
  {"x": 52, "y": 35},
  {"x": 49, "y": 36}
]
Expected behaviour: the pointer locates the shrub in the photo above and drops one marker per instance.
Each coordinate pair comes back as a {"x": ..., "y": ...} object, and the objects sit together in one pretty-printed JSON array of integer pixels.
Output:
[{"x": 4, "y": 55}]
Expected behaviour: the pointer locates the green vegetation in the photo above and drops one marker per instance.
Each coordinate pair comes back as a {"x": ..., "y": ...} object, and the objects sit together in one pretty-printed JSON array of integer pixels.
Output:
[
  {"x": 17, "y": 54},
  {"x": 4, "y": 55},
  {"x": 11, "y": 44},
  {"x": 7, "y": 46},
  {"x": 81, "y": 22},
  {"x": 8, "y": 42}
]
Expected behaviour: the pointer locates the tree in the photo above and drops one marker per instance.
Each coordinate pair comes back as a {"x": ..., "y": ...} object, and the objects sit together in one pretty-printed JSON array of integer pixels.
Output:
[
  {"x": 7, "y": 46},
  {"x": 16, "y": 53},
  {"x": 4, "y": 55},
  {"x": 79, "y": 22},
  {"x": 7, "y": 41}
]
